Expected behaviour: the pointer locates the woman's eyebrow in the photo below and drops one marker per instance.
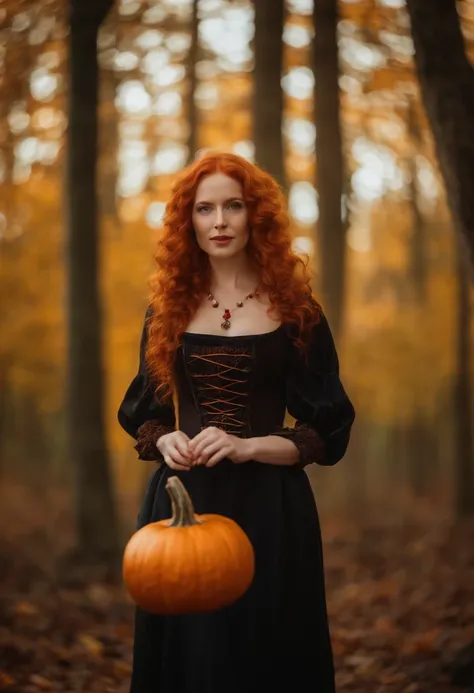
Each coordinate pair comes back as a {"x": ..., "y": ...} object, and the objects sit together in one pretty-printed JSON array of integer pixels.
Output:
[{"x": 231, "y": 199}]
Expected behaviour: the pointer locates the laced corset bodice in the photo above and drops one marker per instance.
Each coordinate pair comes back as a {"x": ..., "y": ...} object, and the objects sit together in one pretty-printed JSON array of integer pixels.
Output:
[
  {"x": 233, "y": 383},
  {"x": 221, "y": 380}
]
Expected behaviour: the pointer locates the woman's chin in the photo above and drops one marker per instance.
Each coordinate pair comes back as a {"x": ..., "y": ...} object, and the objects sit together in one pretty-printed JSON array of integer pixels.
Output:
[{"x": 227, "y": 252}]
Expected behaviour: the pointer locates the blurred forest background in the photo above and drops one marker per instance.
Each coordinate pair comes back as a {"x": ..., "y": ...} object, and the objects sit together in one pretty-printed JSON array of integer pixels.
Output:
[{"x": 115, "y": 99}]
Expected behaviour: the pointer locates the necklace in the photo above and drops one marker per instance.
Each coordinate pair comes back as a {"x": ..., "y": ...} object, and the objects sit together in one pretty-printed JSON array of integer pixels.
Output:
[{"x": 227, "y": 315}]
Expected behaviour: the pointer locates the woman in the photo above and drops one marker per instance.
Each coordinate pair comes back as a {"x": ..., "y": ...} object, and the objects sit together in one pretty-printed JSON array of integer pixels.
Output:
[{"x": 234, "y": 337}]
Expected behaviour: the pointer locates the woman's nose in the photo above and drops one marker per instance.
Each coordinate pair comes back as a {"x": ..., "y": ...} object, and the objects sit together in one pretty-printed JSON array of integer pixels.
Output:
[{"x": 220, "y": 222}]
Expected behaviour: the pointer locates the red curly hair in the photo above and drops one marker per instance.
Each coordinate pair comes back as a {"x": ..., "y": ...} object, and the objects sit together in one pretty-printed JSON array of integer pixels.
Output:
[{"x": 183, "y": 276}]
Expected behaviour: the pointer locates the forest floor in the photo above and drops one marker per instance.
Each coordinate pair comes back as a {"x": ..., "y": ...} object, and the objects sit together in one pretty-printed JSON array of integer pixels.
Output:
[{"x": 400, "y": 598}]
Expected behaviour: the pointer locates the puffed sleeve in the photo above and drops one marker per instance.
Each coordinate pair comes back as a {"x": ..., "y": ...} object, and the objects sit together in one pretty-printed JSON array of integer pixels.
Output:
[
  {"x": 316, "y": 398},
  {"x": 141, "y": 414}
]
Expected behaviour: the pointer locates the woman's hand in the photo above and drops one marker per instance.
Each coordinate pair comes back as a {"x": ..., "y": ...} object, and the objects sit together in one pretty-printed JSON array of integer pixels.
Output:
[
  {"x": 174, "y": 447},
  {"x": 212, "y": 444}
]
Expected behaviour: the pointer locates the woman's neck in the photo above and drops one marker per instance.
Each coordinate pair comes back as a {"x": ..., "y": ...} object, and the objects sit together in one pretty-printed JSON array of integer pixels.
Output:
[{"x": 232, "y": 276}]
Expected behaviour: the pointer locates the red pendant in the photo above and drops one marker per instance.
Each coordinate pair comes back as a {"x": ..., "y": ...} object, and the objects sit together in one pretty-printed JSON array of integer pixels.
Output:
[{"x": 226, "y": 315}]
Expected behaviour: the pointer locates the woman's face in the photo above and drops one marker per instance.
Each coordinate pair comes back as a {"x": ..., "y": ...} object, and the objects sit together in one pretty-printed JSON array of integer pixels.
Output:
[{"x": 220, "y": 218}]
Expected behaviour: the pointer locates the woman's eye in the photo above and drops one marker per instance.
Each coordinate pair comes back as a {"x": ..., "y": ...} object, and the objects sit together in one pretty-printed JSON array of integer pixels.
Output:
[
  {"x": 236, "y": 204},
  {"x": 204, "y": 208}
]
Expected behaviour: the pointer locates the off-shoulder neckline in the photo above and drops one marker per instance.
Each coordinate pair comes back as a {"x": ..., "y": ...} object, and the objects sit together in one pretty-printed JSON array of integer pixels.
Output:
[{"x": 244, "y": 337}]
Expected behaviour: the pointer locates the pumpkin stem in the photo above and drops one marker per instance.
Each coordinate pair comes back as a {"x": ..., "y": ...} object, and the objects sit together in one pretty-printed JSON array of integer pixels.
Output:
[{"x": 181, "y": 503}]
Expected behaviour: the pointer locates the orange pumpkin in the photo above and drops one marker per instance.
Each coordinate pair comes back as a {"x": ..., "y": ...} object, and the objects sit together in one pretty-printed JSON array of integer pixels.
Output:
[{"x": 189, "y": 564}]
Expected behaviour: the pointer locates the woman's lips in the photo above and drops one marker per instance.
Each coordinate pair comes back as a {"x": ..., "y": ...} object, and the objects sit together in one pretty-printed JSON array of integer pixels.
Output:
[{"x": 221, "y": 240}]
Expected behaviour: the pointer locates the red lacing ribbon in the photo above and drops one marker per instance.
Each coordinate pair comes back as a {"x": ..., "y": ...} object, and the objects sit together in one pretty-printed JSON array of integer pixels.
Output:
[{"x": 222, "y": 402}]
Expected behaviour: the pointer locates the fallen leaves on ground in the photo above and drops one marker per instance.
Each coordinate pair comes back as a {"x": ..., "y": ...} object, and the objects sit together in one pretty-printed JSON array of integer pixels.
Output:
[
  {"x": 400, "y": 598},
  {"x": 401, "y": 605}
]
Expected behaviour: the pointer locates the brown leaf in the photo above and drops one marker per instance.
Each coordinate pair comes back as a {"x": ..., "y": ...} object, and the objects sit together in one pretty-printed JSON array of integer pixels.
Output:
[
  {"x": 25, "y": 609},
  {"x": 362, "y": 663},
  {"x": 385, "y": 626},
  {"x": 122, "y": 667},
  {"x": 6, "y": 680},
  {"x": 412, "y": 688},
  {"x": 390, "y": 678},
  {"x": 422, "y": 642},
  {"x": 41, "y": 682}
]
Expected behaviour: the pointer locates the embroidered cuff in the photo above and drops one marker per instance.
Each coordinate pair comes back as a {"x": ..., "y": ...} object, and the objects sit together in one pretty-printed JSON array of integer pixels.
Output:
[
  {"x": 309, "y": 443},
  {"x": 147, "y": 437}
]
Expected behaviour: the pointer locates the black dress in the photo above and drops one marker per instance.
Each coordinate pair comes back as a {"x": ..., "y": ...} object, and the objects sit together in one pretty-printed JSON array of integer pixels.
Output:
[{"x": 276, "y": 636}]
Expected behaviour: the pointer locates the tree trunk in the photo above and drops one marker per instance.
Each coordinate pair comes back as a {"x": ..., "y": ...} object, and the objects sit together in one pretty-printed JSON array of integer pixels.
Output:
[
  {"x": 417, "y": 270},
  {"x": 4, "y": 398},
  {"x": 109, "y": 145},
  {"x": 192, "y": 81},
  {"x": 447, "y": 86},
  {"x": 463, "y": 421},
  {"x": 18, "y": 65},
  {"x": 418, "y": 455},
  {"x": 268, "y": 93},
  {"x": 329, "y": 160},
  {"x": 95, "y": 512},
  {"x": 355, "y": 473}
]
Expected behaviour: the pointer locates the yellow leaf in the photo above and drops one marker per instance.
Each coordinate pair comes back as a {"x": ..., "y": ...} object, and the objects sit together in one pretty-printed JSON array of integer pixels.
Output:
[{"x": 91, "y": 644}]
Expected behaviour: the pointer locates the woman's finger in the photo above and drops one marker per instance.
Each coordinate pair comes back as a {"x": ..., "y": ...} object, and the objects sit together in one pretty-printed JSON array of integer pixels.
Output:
[
  {"x": 217, "y": 457},
  {"x": 215, "y": 448},
  {"x": 177, "y": 457},
  {"x": 175, "y": 465},
  {"x": 209, "y": 432},
  {"x": 214, "y": 437},
  {"x": 183, "y": 448}
]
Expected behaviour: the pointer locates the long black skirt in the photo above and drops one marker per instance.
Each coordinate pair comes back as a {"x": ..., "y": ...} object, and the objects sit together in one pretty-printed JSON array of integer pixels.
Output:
[{"x": 276, "y": 636}]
